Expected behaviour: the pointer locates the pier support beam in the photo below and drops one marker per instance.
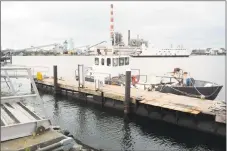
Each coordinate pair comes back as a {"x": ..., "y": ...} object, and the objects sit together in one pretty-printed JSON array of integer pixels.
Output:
[
  {"x": 127, "y": 100},
  {"x": 56, "y": 89},
  {"x": 11, "y": 59},
  {"x": 128, "y": 37},
  {"x": 81, "y": 77},
  {"x": 102, "y": 95}
]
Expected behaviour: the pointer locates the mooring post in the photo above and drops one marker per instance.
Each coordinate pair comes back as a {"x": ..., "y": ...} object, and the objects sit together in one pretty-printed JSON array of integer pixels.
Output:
[
  {"x": 11, "y": 58},
  {"x": 55, "y": 79},
  {"x": 102, "y": 95},
  {"x": 127, "y": 92}
]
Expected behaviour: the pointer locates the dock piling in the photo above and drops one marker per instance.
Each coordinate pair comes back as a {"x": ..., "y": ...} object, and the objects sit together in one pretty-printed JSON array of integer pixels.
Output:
[
  {"x": 11, "y": 59},
  {"x": 102, "y": 95},
  {"x": 55, "y": 79},
  {"x": 127, "y": 100}
]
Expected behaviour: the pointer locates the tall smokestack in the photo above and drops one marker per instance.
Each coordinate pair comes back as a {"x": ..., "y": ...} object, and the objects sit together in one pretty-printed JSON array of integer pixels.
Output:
[
  {"x": 111, "y": 24},
  {"x": 128, "y": 37}
]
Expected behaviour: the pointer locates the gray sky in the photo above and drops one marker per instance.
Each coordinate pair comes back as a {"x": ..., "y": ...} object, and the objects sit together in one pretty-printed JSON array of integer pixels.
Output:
[{"x": 193, "y": 24}]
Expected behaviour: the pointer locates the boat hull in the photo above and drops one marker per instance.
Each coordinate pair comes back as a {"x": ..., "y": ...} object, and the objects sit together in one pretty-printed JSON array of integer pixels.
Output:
[{"x": 210, "y": 93}]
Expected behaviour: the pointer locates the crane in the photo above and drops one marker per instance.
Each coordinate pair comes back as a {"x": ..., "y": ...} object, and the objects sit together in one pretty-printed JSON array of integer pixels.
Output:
[
  {"x": 32, "y": 47},
  {"x": 87, "y": 47},
  {"x": 96, "y": 44},
  {"x": 81, "y": 46}
]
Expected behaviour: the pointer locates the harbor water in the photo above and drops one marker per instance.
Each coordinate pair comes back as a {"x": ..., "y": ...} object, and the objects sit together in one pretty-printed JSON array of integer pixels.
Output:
[{"x": 103, "y": 129}]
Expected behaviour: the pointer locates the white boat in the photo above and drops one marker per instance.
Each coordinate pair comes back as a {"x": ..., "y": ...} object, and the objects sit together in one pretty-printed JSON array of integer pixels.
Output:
[
  {"x": 141, "y": 51},
  {"x": 110, "y": 69},
  {"x": 166, "y": 52}
]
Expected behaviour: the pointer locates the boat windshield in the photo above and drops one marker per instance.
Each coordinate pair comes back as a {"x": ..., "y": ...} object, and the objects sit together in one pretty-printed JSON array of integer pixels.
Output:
[
  {"x": 96, "y": 61},
  {"x": 115, "y": 62},
  {"x": 103, "y": 61},
  {"x": 122, "y": 61},
  {"x": 126, "y": 61},
  {"x": 108, "y": 62}
]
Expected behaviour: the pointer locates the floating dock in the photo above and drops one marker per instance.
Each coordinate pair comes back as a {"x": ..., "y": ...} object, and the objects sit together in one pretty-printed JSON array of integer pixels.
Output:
[{"x": 203, "y": 115}]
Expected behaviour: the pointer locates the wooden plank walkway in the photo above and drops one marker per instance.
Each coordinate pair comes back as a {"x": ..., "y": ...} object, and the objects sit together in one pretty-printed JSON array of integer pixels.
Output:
[{"x": 153, "y": 98}]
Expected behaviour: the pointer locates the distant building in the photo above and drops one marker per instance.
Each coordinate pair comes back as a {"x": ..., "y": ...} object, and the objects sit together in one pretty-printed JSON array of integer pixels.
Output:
[
  {"x": 223, "y": 51},
  {"x": 200, "y": 52},
  {"x": 70, "y": 45},
  {"x": 209, "y": 51},
  {"x": 137, "y": 42}
]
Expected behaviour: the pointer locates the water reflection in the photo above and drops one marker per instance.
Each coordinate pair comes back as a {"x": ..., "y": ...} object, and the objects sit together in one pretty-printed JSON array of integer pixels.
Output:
[
  {"x": 127, "y": 142},
  {"x": 56, "y": 107},
  {"x": 56, "y": 110},
  {"x": 182, "y": 137},
  {"x": 108, "y": 130},
  {"x": 82, "y": 126}
]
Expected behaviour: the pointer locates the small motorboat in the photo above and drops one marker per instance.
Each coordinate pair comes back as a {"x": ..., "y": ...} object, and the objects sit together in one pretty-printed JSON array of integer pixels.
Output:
[{"x": 188, "y": 86}]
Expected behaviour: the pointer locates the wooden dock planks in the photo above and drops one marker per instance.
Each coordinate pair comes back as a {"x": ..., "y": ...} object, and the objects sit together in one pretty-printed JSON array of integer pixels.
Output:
[{"x": 164, "y": 100}]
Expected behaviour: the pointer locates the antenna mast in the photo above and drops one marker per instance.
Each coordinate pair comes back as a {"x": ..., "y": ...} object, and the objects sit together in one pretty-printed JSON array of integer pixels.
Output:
[{"x": 111, "y": 25}]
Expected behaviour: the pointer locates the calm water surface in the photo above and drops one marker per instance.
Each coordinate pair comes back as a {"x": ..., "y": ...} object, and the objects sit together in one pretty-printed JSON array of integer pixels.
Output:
[{"x": 107, "y": 129}]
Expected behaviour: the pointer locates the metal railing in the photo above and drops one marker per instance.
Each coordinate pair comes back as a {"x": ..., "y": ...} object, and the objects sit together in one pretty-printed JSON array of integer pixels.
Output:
[
  {"x": 143, "y": 76},
  {"x": 8, "y": 78},
  {"x": 136, "y": 70},
  {"x": 108, "y": 78},
  {"x": 81, "y": 77},
  {"x": 43, "y": 69},
  {"x": 6, "y": 58},
  {"x": 34, "y": 69}
]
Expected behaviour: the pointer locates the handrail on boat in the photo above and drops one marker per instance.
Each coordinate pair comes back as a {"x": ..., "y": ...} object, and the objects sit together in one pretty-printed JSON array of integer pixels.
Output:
[
  {"x": 109, "y": 75},
  {"x": 136, "y": 70},
  {"x": 144, "y": 76},
  {"x": 169, "y": 77}
]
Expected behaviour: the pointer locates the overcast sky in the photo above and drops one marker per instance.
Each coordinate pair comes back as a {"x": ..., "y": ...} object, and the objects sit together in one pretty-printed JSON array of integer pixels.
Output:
[{"x": 193, "y": 24}]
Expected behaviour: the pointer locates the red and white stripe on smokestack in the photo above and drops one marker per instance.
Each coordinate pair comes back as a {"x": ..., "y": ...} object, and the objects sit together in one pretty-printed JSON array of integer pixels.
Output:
[{"x": 111, "y": 21}]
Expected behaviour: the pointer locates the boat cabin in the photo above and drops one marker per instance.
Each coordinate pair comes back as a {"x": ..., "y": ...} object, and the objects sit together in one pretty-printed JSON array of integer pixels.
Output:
[{"x": 110, "y": 65}]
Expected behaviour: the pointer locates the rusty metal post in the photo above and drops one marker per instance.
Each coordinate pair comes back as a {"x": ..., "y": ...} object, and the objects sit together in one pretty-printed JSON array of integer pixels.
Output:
[{"x": 127, "y": 100}]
